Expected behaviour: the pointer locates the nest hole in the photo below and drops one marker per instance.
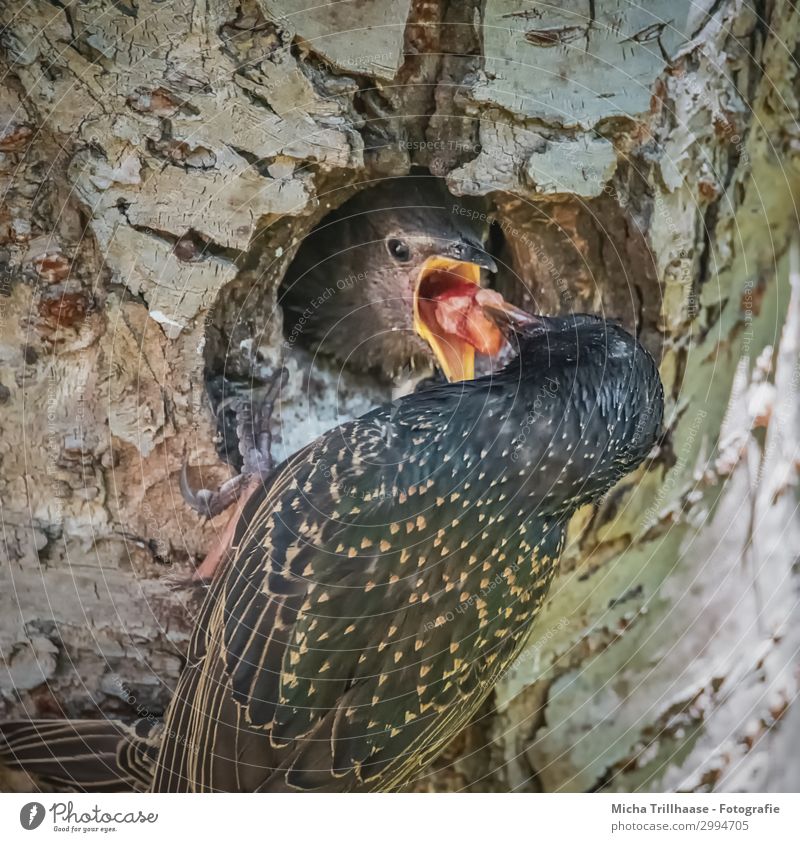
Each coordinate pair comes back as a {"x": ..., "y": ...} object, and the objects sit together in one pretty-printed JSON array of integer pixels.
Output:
[{"x": 555, "y": 257}]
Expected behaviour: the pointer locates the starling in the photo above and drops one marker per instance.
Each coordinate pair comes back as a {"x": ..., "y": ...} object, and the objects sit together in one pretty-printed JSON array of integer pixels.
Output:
[
  {"x": 388, "y": 284},
  {"x": 385, "y": 579},
  {"x": 385, "y": 283}
]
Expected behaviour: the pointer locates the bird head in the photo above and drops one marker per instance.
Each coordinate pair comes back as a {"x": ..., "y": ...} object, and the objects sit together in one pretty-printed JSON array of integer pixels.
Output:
[
  {"x": 395, "y": 273},
  {"x": 440, "y": 281}
]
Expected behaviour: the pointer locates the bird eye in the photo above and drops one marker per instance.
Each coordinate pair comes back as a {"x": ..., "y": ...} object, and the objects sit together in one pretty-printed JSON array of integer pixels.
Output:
[{"x": 399, "y": 250}]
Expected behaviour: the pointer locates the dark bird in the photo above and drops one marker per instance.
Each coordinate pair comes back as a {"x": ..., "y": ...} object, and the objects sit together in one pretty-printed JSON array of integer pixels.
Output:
[
  {"x": 385, "y": 579},
  {"x": 387, "y": 283}
]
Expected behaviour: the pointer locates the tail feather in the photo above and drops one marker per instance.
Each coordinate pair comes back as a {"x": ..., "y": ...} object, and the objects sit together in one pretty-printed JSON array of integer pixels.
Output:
[{"x": 103, "y": 755}]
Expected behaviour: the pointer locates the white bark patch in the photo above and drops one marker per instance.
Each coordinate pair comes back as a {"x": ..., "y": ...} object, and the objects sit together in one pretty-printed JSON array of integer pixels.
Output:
[
  {"x": 580, "y": 168},
  {"x": 554, "y": 63},
  {"x": 28, "y": 664},
  {"x": 359, "y": 36},
  {"x": 176, "y": 290}
]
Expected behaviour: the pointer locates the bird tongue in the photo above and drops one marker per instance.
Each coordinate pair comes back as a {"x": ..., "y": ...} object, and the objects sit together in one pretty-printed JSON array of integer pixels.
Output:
[
  {"x": 456, "y": 317},
  {"x": 458, "y": 309}
]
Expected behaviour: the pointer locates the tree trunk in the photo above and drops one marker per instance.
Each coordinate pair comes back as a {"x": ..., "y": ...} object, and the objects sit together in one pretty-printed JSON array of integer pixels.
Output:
[{"x": 160, "y": 163}]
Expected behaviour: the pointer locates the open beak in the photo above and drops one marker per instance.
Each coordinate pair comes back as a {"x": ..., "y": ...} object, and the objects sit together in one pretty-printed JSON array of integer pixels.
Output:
[{"x": 444, "y": 315}]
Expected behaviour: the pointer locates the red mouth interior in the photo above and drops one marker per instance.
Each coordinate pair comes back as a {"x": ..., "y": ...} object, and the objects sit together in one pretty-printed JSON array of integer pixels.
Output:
[{"x": 448, "y": 301}]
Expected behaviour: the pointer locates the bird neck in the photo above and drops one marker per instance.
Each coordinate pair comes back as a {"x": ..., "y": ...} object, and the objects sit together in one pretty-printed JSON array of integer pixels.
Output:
[
  {"x": 584, "y": 410},
  {"x": 555, "y": 429}
]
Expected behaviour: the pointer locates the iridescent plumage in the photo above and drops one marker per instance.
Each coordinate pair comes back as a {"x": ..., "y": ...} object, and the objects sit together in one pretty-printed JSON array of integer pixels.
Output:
[{"x": 391, "y": 571}]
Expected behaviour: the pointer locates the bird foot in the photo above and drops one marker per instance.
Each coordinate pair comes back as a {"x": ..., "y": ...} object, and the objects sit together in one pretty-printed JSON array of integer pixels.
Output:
[
  {"x": 210, "y": 503},
  {"x": 253, "y": 414},
  {"x": 218, "y": 554},
  {"x": 253, "y": 417}
]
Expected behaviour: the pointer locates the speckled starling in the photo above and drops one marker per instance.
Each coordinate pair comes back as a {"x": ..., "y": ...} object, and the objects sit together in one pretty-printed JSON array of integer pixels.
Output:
[
  {"x": 389, "y": 575},
  {"x": 386, "y": 283}
]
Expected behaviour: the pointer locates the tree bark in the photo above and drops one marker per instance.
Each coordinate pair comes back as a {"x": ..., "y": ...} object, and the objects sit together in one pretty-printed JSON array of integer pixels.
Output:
[{"x": 159, "y": 165}]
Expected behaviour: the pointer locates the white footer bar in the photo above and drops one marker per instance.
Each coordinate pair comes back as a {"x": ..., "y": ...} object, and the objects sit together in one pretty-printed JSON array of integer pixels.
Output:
[{"x": 400, "y": 818}]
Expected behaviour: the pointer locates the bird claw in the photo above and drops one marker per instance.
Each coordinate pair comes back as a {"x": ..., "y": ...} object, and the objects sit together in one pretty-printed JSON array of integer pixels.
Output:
[
  {"x": 211, "y": 503},
  {"x": 255, "y": 437},
  {"x": 255, "y": 445}
]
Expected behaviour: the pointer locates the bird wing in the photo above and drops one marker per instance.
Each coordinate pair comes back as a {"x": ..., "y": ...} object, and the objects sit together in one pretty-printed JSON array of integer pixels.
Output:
[
  {"x": 93, "y": 755},
  {"x": 328, "y": 654}
]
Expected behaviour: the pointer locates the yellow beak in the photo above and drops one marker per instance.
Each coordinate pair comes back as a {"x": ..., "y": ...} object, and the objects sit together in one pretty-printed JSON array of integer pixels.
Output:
[{"x": 455, "y": 356}]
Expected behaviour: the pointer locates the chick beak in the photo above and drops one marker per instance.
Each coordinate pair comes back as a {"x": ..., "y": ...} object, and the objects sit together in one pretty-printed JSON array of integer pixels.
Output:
[
  {"x": 465, "y": 251},
  {"x": 445, "y": 314}
]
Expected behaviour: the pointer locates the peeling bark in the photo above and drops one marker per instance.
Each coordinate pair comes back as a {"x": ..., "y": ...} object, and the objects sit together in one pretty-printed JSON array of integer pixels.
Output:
[{"x": 159, "y": 166}]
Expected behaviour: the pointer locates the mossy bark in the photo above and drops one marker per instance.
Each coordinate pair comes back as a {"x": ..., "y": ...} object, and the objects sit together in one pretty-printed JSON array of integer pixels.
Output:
[{"x": 159, "y": 164}]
